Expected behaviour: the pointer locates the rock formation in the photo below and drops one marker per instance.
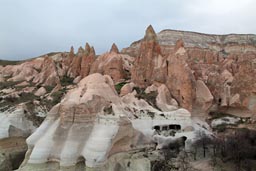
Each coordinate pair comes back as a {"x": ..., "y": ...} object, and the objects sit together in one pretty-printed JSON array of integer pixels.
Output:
[
  {"x": 94, "y": 123},
  {"x": 114, "y": 48},
  {"x": 116, "y": 65},
  {"x": 87, "y": 60},
  {"x": 106, "y": 108},
  {"x": 48, "y": 75},
  {"x": 149, "y": 65},
  {"x": 180, "y": 79}
]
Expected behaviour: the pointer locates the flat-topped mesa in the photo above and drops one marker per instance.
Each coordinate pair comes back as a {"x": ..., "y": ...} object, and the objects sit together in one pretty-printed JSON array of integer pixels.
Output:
[
  {"x": 114, "y": 48},
  {"x": 150, "y": 34}
]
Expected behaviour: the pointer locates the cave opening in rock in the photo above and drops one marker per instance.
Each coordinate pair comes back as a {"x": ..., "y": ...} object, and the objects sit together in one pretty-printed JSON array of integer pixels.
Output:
[
  {"x": 175, "y": 127},
  {"x": 165, "y": 128},
  {"x": 157, "y": 128},
  {"x": 219, "y": 101},
  {"x": 80, "y": 165}
]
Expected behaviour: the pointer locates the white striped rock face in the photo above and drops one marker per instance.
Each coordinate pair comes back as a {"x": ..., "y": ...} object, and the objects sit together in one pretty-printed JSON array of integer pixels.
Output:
[{"x": 92, "y": 124}]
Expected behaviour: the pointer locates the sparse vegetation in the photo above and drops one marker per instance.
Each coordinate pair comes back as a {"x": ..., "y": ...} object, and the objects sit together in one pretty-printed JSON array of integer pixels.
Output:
[
  {"x": 8, "y": 84},
  {"x": 149, "y": 97},
  {"x": 6, "y": 62},
  {"x": 219, "y": 114},
  {"x": 49, "y": 88},
  {"x": 119, "y": 86},
  {"x": 57, "y": 96},
  {"x": 65, "y": 80},
  {"x": 237, "y": 147},
  {"x": 151, "y": 114},
  {"x": 30, "y": 115}
]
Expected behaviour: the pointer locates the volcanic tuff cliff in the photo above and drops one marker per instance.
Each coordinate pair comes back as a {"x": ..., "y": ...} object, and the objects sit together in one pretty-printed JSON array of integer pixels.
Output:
[{"x": 157, "y": 82}]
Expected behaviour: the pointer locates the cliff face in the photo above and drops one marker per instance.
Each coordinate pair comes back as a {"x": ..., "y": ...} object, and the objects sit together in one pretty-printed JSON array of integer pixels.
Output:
[{"x": 225, "y": 43}]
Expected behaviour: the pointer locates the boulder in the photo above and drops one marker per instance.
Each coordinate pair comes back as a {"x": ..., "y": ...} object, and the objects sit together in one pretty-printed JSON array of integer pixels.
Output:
[
  {"x": 164, "y": 100},
  {"x": 77, "y": 79},
  {"x": 126, "y": 89},
  {"x": 151, "y": 88},
  {"x": 204, "y": 97},
  {"x": 235, "y": 100},
  {"x": 40, "y": 92},
  {"x": 48, "y": 75}
]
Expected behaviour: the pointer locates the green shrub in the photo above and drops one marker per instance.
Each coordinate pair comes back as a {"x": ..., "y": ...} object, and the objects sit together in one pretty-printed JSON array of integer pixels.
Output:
[
  {"x": 49, "y": 88},
  {"x": 9, "y": 84},
  {"x": 219, "y": 114},
  {"x": 149, "y": 97},
  {"x": 119, "y": 86},
  {"x": 5, "y": 62},
  {"x": 57, "y": 97},
  {"x": 65, "y": 80}
]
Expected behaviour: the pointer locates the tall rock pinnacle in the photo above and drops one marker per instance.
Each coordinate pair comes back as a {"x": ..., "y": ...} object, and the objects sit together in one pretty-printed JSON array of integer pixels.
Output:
[
  {"x": 87, "y": 49},
  {"x": 92, "y": 51},
  {"x": 71, "y": 53},
  {"x": 114, "y": 48},
  {"x": 150, "y": 34},
  {"x": 87, "y": 60},
  {"x": 149, "y": 66},
  {"x": 80, "y": 52}
]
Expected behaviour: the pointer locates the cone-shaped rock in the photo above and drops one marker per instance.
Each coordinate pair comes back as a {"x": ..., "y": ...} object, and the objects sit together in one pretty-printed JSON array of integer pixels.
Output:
[
  {"x": 71, "y": 53},
  {"x": 179, "y": 44},
  {"x": 149, "y": 66},
  {"x": 87, "y": 49},
  {"x": 180, "y": 79},
  {"x": 150, "y": 34},
  {"x": 114, "y": 48},
  {"x": 80, "y": 52},
  {"x": 92, "y": 51},
  {"x": 87, "y": 60}
]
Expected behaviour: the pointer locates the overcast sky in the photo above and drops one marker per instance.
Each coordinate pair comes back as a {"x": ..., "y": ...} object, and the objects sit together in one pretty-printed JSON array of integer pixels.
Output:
[{"x": 29, "y": 28}]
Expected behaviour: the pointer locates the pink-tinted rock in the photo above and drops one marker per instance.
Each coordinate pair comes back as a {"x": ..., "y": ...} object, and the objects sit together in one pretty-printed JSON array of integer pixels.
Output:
[
  {"x": 150, "y": 65},
  {"x": 115, "y": 65},
  {"x": 87, "y": 60},
  {"x": 164, "y": 100},
  {"x": 40, "y": 92},
  {"x": 204, "y": 97},
  {"x": 48, "y": 75},
  {"x": 126, "y": 89},
  {"x": 180, "y": 79},
  {"x": 114, "y": 48},
  {"x": 235, "y": 101}
]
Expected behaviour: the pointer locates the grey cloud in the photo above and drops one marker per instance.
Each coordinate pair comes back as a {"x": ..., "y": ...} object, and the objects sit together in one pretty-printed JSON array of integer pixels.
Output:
[{"x": 31, "y": 28}]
